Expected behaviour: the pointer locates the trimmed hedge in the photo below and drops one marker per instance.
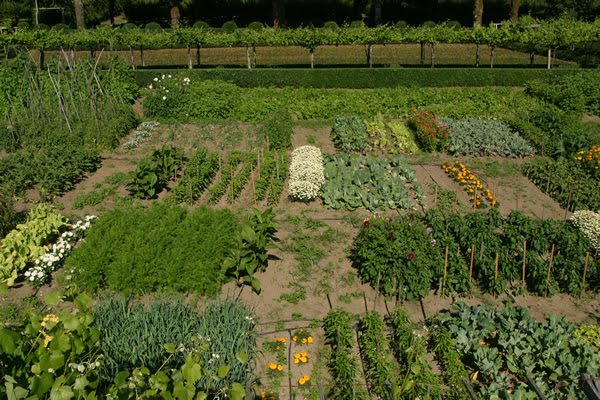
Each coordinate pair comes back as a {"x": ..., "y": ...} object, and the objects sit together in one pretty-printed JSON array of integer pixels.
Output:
[{"x": 364, "y": 78}]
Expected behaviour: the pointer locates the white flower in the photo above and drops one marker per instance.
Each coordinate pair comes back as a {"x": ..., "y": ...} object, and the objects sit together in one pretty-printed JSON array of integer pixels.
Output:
[
  {"x": 163, "y": 77},
  {"x": 169, "y": 76},
  {"x": 589, "y": 223},
  {"x": 164, "y": 97},
  {"x": 150, "y": 87},
  {"x": 306, "y": 173},
  {"x": 155, "y": 79}
]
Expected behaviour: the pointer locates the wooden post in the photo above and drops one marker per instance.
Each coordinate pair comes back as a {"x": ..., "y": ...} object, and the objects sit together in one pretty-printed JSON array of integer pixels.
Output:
[
  {"x": 535, "y": 388},
  {"x": 585, "y": 267},
  {"x": 471, "y": 266},
  {"x": 496, "y": 275},
  {"x": 549, "y": 271},
  {"x": 524, "y": 260},
  {"x": 469, "y": 388},
  {"x": 290, "y": 363}
]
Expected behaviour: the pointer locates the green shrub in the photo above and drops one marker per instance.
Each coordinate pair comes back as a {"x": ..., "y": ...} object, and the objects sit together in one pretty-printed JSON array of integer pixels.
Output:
[
  {"x": 277, "y": 130},
  {"x": 9, "y": 218},
  {"x": 391, "y": 136},
  {"x": 201, "y": 25},
  {"x": 563, "y": 129},
  {"x": 566, "y": 182},
  {"x": 575, "y": 92},
  {"x": 349, "y": 133},
  {"x": 155, "y": 171},
  {"x": 153, "y": 26},
  {"x": 229, "y": 26},
  {"x": 482, "y": 137},
  {"x": 54, "y": 170},
  {"x": 163, "y": 248},
  {"x": 331, "y": 25},
  {"x": 133, "y": 335},
  {"x": 366, "y": 78},
  {"x": 256, "y": 26},
  {"x": 431, "y": 135}
]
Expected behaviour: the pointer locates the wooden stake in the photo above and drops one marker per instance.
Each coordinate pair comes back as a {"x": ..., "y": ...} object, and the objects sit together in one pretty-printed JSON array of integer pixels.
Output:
[
  {"x": 585, "y": 267},
  {"x": 524, "y": 259},
  {"x": 445, "y": 270},
  {"x": 435, "y": 195},
  {"x": 471, "y": 266},
  {"x": 549, "y": 271},
  {"x": 496, "y": 275}
]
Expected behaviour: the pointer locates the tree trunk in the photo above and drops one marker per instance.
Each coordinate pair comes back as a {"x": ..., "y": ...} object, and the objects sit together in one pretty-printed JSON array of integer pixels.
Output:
[
  {"x": 143, "y": 61},
  {"x": 514, "y": 9},
  {"x": 432, "y": 55},
  {"x": 253, "y": 56},
  {"x": 79, "y": 18},
  {"x": 531, "y": 58},
  {"x": 377, "y": 15},
  {"x": 478, "y": 13},
  {"x": 198, "y": 56},
  {"x": 37, "y": 13},
  {"x": 278, "y": 13},
  {"x": 248, "y": 61},
  {"x": 111, "y": 11},
  {"x": 41, "y": 58},
  {"x": 189, "y": 56},
  {"x": 477, "y": 55},
  {"x": 175, "y": 15},
  {"x": 312, "y": 59},
  {"x": 131, "y": 56},
  {"x": 370, "y": 55},
  {"x": 549, "y": 57},
  {"x": 422, "y": 53},
  {"x": 492, "y": 48}
]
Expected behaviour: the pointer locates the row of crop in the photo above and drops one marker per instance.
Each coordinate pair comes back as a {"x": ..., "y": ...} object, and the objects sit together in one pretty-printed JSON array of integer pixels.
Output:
[
  {"x": 123, "y": 349},
  {"x": 502, "y": 348},
  {"x": 406, "y": 257},
  {"x": 573, "y": 183},
  {"x": 550, "y": 34},
  {"x": 186, "y": 100},
  {"x": 266, "y": 170}
]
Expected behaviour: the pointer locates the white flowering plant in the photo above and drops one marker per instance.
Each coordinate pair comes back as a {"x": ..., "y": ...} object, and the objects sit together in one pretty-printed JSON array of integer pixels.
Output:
[
  {"x": 589, "y": 223},
  {"x": 44, "y": 265},
  {"x": 164, "y": 94},
  {"x": 141, "y": 134},
  {"x": 306, "y": 173}
]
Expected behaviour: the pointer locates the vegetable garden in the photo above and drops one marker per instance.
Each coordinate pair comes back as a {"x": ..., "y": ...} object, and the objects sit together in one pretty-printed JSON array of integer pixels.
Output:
[{"x": 198, "y": 238}]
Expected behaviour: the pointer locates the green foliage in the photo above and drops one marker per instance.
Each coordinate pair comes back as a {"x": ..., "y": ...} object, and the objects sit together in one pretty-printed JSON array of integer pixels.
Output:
[
  {"x": 229, "y": 26},
  {"x": 504, "y": 346},
  {"x": 409, "y": 344},
  {"x": 28, "y": 241},
  {"x": 349, "y": 133},
  {"x": 9, "y": 218},
  {"x": 566, "y": 181},
  {"x": 134, "y": 335},
  {"x": 391, "y": 136},
  {"x": 376, "y": 355},
  {"x": 277, "y": 130},
  {"x": 489, "y": 236},
  {"x": 343, "y": 365},
  {"x": 431, "y": 134},
  {"x": 228, "y": 172},
  {"x": 60, "y": 356},
  {"x": 374, "y": 183},
  {"x": 257, "y": 236},
  {"x": 54, "y": 170},
  {"x": 367, "y": 78},
  {"x": 579, "y": 93},
  {"x": 589, "y": 334},
  {"x": 481, "y": 137},
  {"x": 163, "y": 248},
  {"x": 396, "y": 257},
  {"x": 271, "y": 176},
  {"x": 214, "y": 100},
  {"x": 449, "y": 359},
  {"x": 81, "y": 107},
  {"x": 155, "y": 171},
  {"x": 197, "y": 176}
]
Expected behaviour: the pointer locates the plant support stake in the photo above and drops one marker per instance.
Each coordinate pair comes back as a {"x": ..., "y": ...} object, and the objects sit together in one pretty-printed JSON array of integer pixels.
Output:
[{"x": 549, "y": 271}]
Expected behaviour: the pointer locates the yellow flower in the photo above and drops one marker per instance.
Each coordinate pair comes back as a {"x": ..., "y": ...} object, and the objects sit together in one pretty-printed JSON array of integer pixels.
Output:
[
  {"x": 272, "y": 366},
  {"x": 295, "y": 338},
  {"x": 310, "y": 339},
  {"x": 301, "y": 381},
  {"x": 47, "y": 339},
  {"x": 279, "y": 367},
  {"x": 49, "y": 318},
  {"x": 296, "y": 360},
  {"x": 303, "y": 341}
]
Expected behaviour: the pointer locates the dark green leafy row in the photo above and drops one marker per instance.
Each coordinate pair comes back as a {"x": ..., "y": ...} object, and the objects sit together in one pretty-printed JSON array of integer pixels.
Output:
[
  {"x": 409, "y": 344},
  {"x": 377, "y": 359},
  {"x": 227, "y": 173},
  {"x": 198, "y": 175},
  {"x": 241, "y": 178},
  {"x": 364, "y": 78},
  {"x": 54, "y": 170}
]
